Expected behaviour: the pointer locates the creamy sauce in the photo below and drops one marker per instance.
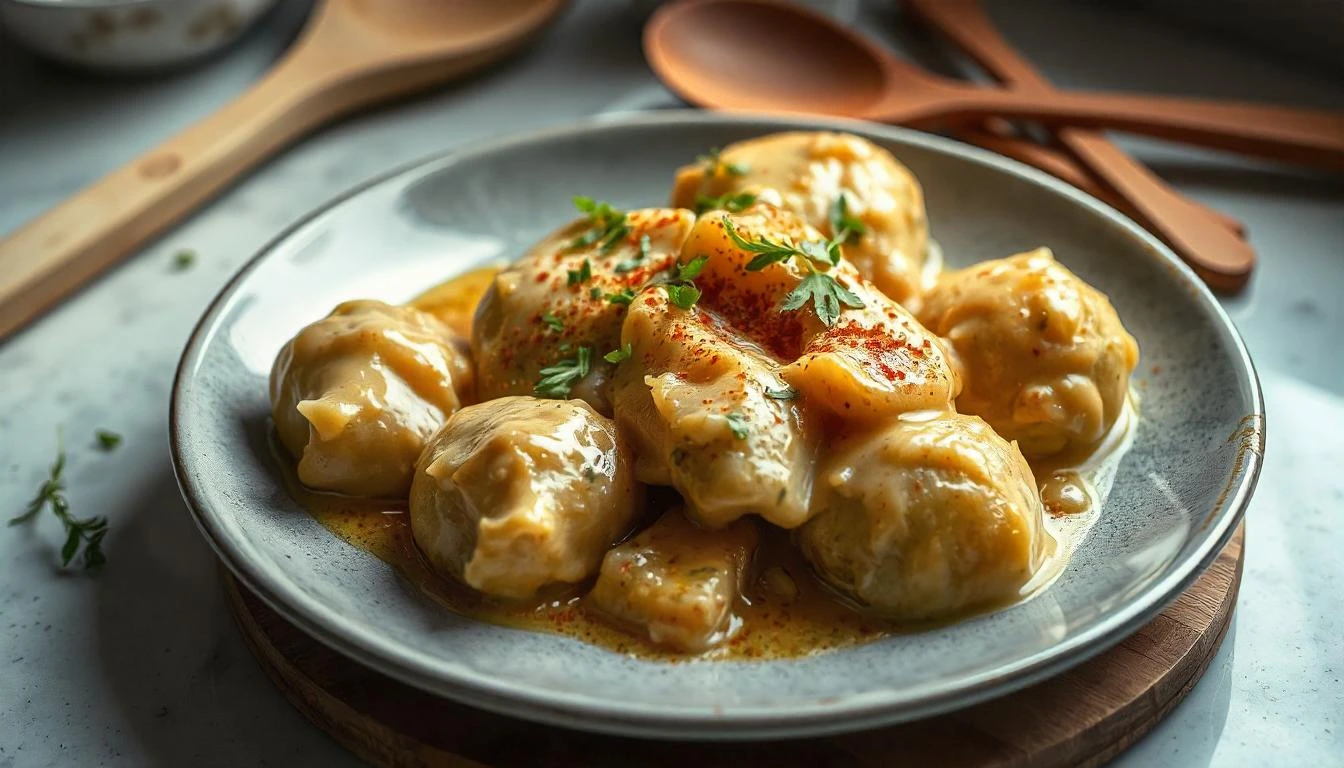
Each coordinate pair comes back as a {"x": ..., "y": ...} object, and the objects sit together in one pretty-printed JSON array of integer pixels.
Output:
[{"x": 787, "y": 611}]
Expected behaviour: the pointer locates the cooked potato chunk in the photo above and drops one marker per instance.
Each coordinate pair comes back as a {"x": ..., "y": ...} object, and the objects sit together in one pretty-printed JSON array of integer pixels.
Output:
[
  {"x": 676, "y": 583},
  {"x": 355, "y": 395},
  {"x": 708, "y": 415},
  {"x": 924, "y": 519},
  {"x": 517, "y": 493},
  {"x": 1046, "y": 359},
  {"x": 558, "y": 297},
  {"x": 873, "y": 362},
  {"x": 805, "y": 173}
]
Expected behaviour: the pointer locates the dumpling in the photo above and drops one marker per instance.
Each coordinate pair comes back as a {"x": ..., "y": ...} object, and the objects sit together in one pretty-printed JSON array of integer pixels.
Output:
[
  {"x": 1045, "y": 358},
  {"x": 518, "y": 493},
  {"x": 925, "y": 519},
  {"x": 710, "y": 416},
  {"x": 675, "y": 583},
  {"x": 558, "y": 298},
  {"x": 805, "y": 172},
  {"x": 355, "y": 395},
  {"x": 874, "y": 361}
]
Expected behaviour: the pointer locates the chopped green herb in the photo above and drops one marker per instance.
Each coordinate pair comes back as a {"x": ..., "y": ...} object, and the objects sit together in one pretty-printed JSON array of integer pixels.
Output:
[
  {"x": 845, "y": 227},
  {"x": 582, "y": 274},
  {"x": 632, "y": 264},
  {"x": 692, "y": 269},
  {"x": 107, "y": 439},
  {"x": 184, "y": 259},
  {"x": 89, "y": 531},
  {"x": 737, "y": 423},
  {"x": 787, "y": 393},
  {"x": 553, "y": 322},
  {"x": 623, "y": 298},
  {"x": 684, "y": 295},
  {"x": 715, "y": 166},
  {"x": 594, "y": 293},
  {"x": 617, "y": 355},
  {"x": 606, "y": 225},
  {"x": 821, "y": 289},
  {"x": 557, "y": 380},
  {"x": 731, "y": 202}
]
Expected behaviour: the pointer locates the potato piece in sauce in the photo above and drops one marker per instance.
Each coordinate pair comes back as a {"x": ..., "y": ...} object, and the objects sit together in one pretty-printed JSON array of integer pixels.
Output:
[
  {"x": 693, "y": 397},
  {"x": 805, "y": 172},
  {"x": 676, "y": 583},
  {"x": 1045, "y": 357},
  {"x": 873, "y": 363},
  {"x": 926, "y": 519},
  {"x": 355, "y": 395},
  {"x": 535, "y": 314},
  {"x": 517, "y": 493}
]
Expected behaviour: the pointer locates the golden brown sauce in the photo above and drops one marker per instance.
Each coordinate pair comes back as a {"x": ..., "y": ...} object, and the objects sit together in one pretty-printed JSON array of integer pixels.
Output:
[
  {"x": 1065, "y": 492},
  {"x": 786, "y": 612}
]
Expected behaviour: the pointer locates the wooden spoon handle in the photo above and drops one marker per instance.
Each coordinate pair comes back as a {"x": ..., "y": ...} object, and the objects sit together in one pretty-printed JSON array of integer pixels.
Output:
[
  {"x": 63, "y": 248},
  {"x": 1205, "y": 239},
  {"x": 1307, "y": 137},
  {"x": 965, "y": 24}
]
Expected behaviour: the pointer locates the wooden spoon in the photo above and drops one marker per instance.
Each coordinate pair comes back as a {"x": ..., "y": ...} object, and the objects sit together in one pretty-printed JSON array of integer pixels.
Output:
[
  {"x": 351, "y": 54},
  {"x": 1199, "y": 236},
  {"x": 776, "y": 57}
]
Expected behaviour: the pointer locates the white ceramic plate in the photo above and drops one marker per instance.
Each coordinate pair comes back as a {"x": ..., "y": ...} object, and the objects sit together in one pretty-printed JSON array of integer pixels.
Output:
[{"x": 1177, "y": 497}]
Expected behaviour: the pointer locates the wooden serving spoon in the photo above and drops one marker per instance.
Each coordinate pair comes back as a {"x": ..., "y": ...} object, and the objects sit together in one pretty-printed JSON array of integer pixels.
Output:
[
  {"x": 776, "y": 57},
  {"x": 351, "y": 54},
  {"x": 1198, "y": 235}
]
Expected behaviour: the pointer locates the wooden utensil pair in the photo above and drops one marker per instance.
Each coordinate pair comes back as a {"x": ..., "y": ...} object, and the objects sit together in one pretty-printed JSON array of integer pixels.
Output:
[
  {"x": 352, "y": 53},
  {"x": 757, "y": 55}
]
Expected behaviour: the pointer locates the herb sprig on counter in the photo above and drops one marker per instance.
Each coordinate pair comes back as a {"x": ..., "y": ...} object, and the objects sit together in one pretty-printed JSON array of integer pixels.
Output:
[
  {"x": 88, "y": 532},
  {"x": 819, "y": 288}
]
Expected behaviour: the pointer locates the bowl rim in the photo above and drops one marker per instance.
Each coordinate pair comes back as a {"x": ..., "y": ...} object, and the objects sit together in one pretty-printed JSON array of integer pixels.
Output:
[{"x": 872, "y": 709}]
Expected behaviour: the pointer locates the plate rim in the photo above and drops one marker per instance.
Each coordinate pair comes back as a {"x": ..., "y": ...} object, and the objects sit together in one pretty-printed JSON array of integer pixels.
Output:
[{"x": 871, "y": 709}]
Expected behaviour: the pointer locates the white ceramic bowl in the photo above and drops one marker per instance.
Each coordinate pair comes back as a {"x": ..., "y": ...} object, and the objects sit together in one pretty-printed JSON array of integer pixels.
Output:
[{"x": 128, "y": 35}]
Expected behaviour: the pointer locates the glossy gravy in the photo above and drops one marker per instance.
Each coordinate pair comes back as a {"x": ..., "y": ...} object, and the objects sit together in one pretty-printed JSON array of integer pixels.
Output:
[{"x": 787, "y": 610}]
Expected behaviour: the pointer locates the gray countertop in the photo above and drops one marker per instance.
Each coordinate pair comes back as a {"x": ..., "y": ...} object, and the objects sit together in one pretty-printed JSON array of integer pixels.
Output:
[{"x": 141, "y": 664}]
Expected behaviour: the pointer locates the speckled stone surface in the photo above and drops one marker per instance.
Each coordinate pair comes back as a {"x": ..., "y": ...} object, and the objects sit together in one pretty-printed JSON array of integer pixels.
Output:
[{"x": 142, "y": 665}]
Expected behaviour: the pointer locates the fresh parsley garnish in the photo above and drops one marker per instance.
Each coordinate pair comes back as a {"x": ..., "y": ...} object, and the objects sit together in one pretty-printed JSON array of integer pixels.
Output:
[
  {"x": 731, "y": 202},
  {"x": 844, "y": 225},
  {"x": 553, "y": 322},
  {"x": 715, "y": 166},
  {"x": 683, "y": 295},
  {"x": 89, "y": 531},
  {"x": 606, "y": 225},
  {"x": 692, "y": 269},
  {"x": 821, "y": 289},
  {"x": 559, "y": 378},
  {"x": 680, "y": 285},
  {"x": 632, "y": 264},
  {"x": 594, "y": 293},
  {"x": 787, "y": 393},
  {"x": 183, "y": 259},
  {"x": 737, "y": 423},
  {"x": 107, "y": 439},
  {"x": 623, "y": 298},
  {"x": 617, "y": 355},
  {"x": 582, "y": 274}
]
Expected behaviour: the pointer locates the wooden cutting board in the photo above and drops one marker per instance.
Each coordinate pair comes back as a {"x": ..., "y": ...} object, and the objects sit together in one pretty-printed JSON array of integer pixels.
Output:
[{"x": 1082, "y": 717}]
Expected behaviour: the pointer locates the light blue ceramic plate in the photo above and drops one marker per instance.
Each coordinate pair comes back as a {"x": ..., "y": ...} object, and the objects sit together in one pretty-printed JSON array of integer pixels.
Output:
[{"x": 1177, "y": 497}]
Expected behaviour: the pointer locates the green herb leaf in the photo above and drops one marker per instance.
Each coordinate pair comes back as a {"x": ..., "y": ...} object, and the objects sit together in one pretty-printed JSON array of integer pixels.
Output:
[
  {"x": 731, "y": 202},
  {"x": 594, "y": 293},
  {"x": 692, "y": 269},
  {"x": 184, "y": 259},
  {"x": 623, "y": 298},
  {"x": 787, "y": 393},
  {"x": 89, "y": 531},
  {"x": 826, "y": 295},
  {"x": 557, "y": 379},
  {"x": 844, "y": 226},
  {"x": 107, "y": 439},
  {"x": 683, "y": 295},
  {"x": 617, "y": 355},
  {"x": 737, "y": 423},
  {"x": 606, "y": 225},
  {"x": 767, "y": 251},
  {"x": 715, "y": 166},
  {"x": 582, "y": 274},
  {"x": 553, "y": 322}
]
